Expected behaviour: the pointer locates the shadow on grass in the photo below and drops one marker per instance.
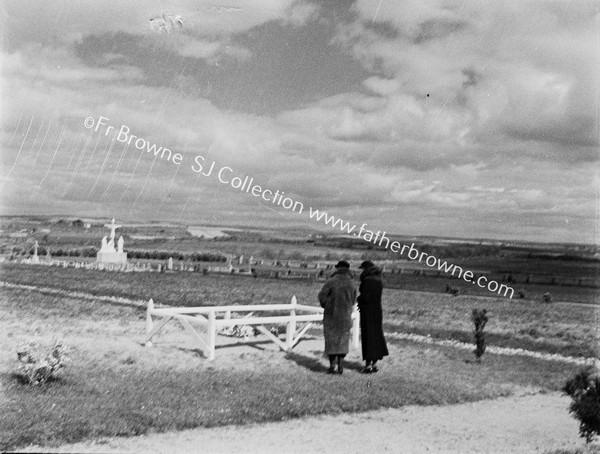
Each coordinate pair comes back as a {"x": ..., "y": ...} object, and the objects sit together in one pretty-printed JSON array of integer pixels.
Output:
[
  {"x": 257, "y": 344},
  {"x": 316, "y": 364},
  {"x": 18, "y": 378},
  {"x": 21, "y": 379}
]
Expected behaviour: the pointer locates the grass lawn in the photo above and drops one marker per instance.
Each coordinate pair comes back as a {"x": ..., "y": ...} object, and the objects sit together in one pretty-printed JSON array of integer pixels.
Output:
[
  {"x": 115, "y": 386},
  {"x": 553, "y": 328}
]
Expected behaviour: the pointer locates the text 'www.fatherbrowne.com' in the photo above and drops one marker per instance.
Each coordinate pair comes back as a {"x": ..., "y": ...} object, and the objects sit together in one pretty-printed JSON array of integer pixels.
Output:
[
  {"x": 240, "y": 182},
  {"x": 380, "y": 239}
]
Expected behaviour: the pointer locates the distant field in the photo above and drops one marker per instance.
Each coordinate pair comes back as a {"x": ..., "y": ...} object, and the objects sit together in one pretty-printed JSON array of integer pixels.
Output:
[
  {"x": 566, "y": 329},
  {"x": 568, "y": 272}
]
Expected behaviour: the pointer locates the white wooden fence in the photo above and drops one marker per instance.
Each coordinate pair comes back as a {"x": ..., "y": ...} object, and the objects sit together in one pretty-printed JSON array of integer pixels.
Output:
[{"x": 298, "y": 319}]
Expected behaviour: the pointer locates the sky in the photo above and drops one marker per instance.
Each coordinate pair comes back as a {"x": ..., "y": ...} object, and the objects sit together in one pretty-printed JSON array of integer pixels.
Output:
[{"x": 460, "y": 119}]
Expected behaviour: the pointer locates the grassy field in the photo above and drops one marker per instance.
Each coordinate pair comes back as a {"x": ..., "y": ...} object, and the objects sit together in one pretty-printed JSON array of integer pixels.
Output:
[
  {"x": 115, "y": 386},
  {"x": 553, "y": 328}
]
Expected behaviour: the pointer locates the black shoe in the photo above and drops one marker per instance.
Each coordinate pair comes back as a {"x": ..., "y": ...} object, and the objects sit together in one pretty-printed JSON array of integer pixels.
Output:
[
  {"x": 340, "y": 366},
  {"x": 374, "y": 368},
  {"x": 367, "y": 370},
  {"x": 331, "y": 370}
]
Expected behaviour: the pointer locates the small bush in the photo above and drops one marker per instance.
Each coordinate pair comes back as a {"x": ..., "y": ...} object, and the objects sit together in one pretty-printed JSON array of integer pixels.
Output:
[
  {"x": 584, "y": 390},
  {"x": 479, "y": 318},
  {"x": 547, "y": 297},
  {"x": 454, "y": 291},
  {"x": 39, "y": 366}
]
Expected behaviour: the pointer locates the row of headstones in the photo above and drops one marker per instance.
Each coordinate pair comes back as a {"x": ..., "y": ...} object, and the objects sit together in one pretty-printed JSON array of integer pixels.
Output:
[
  {"x": 286, "y": 263},
  {"x": 291, "y": 264},
  {"x": 169, "y": 266},
  {"x": 127, "y": 266},
  {"x": 92, "y": 265}
]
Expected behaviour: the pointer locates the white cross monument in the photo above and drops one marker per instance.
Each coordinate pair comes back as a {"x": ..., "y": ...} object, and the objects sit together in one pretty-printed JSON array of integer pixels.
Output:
[{"x": 108, "y": 253}]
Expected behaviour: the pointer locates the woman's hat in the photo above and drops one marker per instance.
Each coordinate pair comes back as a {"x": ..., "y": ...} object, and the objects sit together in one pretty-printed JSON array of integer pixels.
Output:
[
  {"x": 366, "y": 264},
  {"x": 342, "y": 264}
]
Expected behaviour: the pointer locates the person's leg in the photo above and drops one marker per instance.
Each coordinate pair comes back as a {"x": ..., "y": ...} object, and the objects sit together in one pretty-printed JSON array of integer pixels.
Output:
[
  {"x": 340, "y": 366},
  {"x": 368, "y": 368},
  {"x": 332, "y": 361}
]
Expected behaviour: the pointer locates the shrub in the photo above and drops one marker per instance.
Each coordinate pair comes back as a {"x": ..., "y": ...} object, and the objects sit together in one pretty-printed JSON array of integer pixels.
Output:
[
  {"x": 39, "y": 366},
  {"x": 479, "y": 318},
  {"x": 584, "y": 390},
  {"x": 547, "y": 297}
]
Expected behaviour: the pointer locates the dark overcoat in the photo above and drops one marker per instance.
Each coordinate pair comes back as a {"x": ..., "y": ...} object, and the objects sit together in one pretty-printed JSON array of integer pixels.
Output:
[
  {"x": 337, "y": 298},
  {"x": 374, "y": 346}
]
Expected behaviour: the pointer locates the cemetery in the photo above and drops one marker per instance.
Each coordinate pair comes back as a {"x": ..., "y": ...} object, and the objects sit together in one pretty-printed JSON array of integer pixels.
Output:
[{"x": 179, "y": 322}]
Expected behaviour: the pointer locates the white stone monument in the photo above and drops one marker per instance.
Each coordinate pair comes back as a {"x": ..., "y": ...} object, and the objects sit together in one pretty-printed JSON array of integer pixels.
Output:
[
  {"x": 107, "y": 253},
  {"x": 35, "y": 259}
]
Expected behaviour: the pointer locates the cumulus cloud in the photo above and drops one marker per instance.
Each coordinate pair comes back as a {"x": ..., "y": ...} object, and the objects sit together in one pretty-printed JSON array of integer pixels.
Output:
[{"x": 477, "y": 72}]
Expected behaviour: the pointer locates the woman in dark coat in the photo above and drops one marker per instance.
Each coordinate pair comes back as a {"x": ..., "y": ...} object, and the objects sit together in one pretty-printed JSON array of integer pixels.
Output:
[
  {"x": 374, "y": 347},
  {"x": 337, "y": 298}
]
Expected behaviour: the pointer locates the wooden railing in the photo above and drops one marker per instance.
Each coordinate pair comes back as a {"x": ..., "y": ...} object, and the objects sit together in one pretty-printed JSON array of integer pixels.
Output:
[{"x": 212, "y": 318}]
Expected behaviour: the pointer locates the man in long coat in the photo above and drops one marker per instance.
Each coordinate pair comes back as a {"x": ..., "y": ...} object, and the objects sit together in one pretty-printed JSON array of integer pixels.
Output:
[
  {"x": 374, "y": 346},
  {"x": 337, "y": 298}
]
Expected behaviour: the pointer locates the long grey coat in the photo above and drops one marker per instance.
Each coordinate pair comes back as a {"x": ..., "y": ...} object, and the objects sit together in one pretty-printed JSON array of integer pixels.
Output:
[{"x": 337, "y": 298}]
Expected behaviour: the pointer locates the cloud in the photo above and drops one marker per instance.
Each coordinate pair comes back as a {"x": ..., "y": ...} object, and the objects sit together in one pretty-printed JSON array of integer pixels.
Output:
[
  {"x": 300, "y": 13},
  {"x": 475, "y": 73},
  {"x": 205, "y": 33},
  {"x": 380, "y": 86},
  {"x": 213, "y": 50}
]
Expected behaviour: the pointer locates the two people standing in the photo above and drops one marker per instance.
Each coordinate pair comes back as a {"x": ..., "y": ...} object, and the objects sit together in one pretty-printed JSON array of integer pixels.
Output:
[{"x": 337, "y": 297}]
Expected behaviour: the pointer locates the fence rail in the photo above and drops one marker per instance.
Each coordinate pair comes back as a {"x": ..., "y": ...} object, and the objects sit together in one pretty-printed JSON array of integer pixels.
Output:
[{"x": 211, "y": 318}]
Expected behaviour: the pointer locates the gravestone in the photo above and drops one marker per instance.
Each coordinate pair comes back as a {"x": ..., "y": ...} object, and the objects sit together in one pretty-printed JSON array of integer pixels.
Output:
[{"x": 35, "y": 259}]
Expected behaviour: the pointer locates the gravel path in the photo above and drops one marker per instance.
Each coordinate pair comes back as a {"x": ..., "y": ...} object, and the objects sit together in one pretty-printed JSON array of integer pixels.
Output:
[{"x": 520, "y": 424}]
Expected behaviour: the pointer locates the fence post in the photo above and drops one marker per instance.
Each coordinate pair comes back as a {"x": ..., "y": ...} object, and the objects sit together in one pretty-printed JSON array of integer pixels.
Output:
[
  {"x": 149, "y": 323},
  {"x": 212, "y": 334},
  {"x": 291, "y": 327},
  {"x": 355, "y": 329}
]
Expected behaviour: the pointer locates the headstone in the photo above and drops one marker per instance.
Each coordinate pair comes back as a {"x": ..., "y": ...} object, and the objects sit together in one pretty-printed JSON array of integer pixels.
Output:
[
  {"x": 170, "y": 264},
  {"x": 35, "y": 259}
]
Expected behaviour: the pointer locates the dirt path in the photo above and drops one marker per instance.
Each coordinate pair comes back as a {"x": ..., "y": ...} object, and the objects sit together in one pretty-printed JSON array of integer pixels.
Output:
[{"x": 521, "y": 424}]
